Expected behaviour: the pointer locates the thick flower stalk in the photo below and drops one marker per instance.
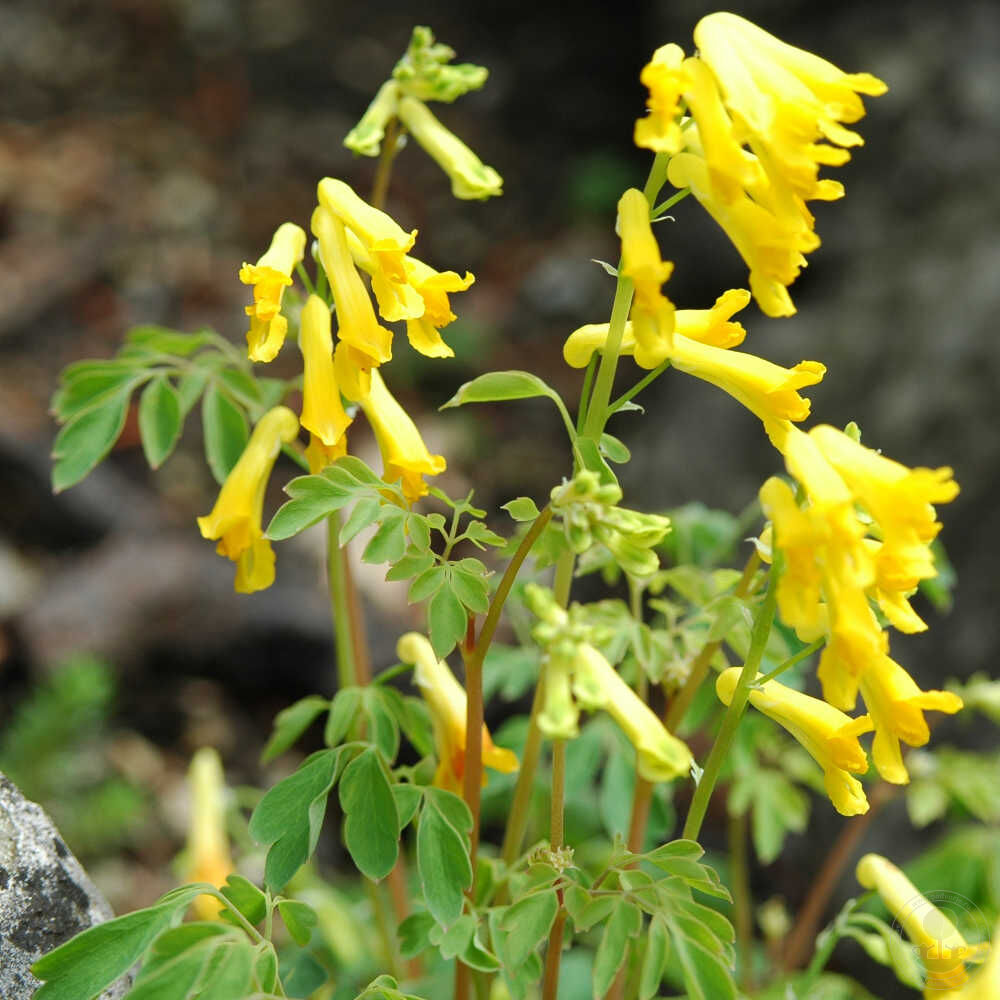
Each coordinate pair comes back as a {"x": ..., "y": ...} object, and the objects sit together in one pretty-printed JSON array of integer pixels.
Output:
[
  {"x": 446, "y": 700},
  {"x": 235, "y": 520},
  {"x": 269, "y": 278},
  {"x": 207, "y": 857},
  {"x": 827, "y": 734}
]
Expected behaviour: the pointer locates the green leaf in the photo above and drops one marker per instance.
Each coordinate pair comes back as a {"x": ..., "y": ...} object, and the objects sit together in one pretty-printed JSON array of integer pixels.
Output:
[
  {"x": 189, "y": 390},
  {"x": 419, "y": 532},
  {"x": 301, "y": 974},
  {"x": 528, "y": 923},
  {"x": 456, "y": 938},
  {"x": 407, "y": 800},
  {"x": 92, "y": 389},
  {"x": 226, "y": 432},
  {"x": 159, "y": 420},
  {"x": 885, "y": 945},
  {"x": 442, "y": 858},
  {"x": 366, "y": 511},
  {"x": 164, "y": 341},
  {"x": 86, "y": 440},
  {"x": 705, "y": 975},
  {"x": 426, "y": 583},
  {"x": 778, "y": 807},
  {"x": 447, "y": 620},
  {"x": 384, "y": 732},
  {"x": 371, "y": 823},
  {"x": 586, "y": 910},
  {"x": 266, "y": 967},
  {"x": 591, "y": 458},
  {"x": 624, "y": 923},
  {"x": 675, "y": 849},
  {"x": 614, "y": 450},
  {"x": 290, "y": 723},
  {"x": 299, "y": 918},
  {"x": 240, "y": 386},
  {"x": 654, "y": 962},
  {"x": 481, "y": 536},
  {"x": 414, "y": 933},
  {"x": 388, "y": 543},
  {"x": 290, "y": 816},
  {"x": 343, "y": 713},
  {"x": 477, "y": 957},
  {"x": 412, "y": 564},
  {"x": 91, "y": 961},
  {"x": 313, "y": 498},
  {"x": 246, "y": 898},
  {"x": 471, "y": 589},
  {"x": 521, "y": 509},
  {"x": 497, "y": 386}
]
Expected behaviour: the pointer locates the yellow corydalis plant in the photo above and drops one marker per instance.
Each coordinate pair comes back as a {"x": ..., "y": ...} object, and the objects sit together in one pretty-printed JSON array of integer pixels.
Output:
[
  {"x": 235, "y": 520},
  {"x": 269, "y": 277},
  {"x": 448, "y": 702}
]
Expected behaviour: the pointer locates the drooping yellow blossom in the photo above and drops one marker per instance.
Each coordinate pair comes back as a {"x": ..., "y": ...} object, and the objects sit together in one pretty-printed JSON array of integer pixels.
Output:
[
  {"x": 942, "y": 949},
  {"x": 404, "y": 454},
  {"x": 470, "y": 177},
  {"x": 652, "y": 312},
  {"x": 379, "y": 233},
  {"x": 708, "y": 326},
  {"x": 661, "y": 756},
  {"x": 207, "y": 858},
  {"x": 662, "y": 75},
  {"x": 784, "y": 101},
  {"x": 433, "y": 287},
  {"x": 366, "y": 137},
  {"x": 896, "y": 707},
  {"x": 447, "y": 702},
  {"x": 829, "y": 736},
  {"x": 356, "y": 322},
  {"x": 269, "y": 277},
  {"x": 235, "y": 520},
  {"x": 397, "y": 299},
  {"x": 322, "y": 411},
  {"x": 984, "y": 983}
]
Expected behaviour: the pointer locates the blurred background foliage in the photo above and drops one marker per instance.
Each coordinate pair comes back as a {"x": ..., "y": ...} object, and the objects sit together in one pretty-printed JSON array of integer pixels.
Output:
[{"x": 148, "y": 147}]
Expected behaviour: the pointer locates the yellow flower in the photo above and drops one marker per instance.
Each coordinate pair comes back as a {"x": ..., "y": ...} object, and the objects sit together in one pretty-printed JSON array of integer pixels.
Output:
[
  {"x": 366, "y": 137},
  {"x": 784, "y": 100},
  {"x": 707, "y": 326},
  {"x": 433, "y": 287},
  {"x": 269, "y": 277},
  {"x": 447, "y": 702},
  {"x": 380, "y": 235},
  {"x": 829, "y": 736},
  {"x": 322, "y": 411},
  {"x": 941, "y": 947},
  {"x": 207, "y": 857},
  {"x": 404, "y": 454},
  {"x": 559, "y": 717},
  {"x": 661, "y": 756},
  {"x": 896, "y": 707},
  {"x": 652, "y": 312},
  {"x": 353, "y": 369},
  {"x": 235, "y": 520},
  {"x": 356, "y": 322},
  {"x": 984, "y": 984},
  {"x": 663, "y": 76},
  {"x": 470, "y": 177}
]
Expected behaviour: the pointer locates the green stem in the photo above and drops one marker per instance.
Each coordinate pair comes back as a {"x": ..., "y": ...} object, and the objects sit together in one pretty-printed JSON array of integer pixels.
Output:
[
  {"x": 665, "y": 206},
  {"x": 742, "y": 914},
  {"x": 638, "y": 387},
  {"x": 731, "y": 720},
  {"x": 304, "y": 278},
  {"x": 383, "y": 172},
  {"x": 792, "y": 660},
  {"x": 597, "y": 411},
  {"x": 340, "y": 604},
  {"x": 517, "y": 822},
  {"x": 588, "y": 379},
  {"x": 384, "y": 928}
]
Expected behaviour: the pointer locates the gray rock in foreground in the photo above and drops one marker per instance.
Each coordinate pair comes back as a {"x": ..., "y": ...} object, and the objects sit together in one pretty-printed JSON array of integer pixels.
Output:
[{"x": 45, "y": 895}]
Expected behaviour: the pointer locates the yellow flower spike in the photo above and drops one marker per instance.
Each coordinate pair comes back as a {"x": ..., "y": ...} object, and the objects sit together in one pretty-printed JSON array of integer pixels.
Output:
[
  {"x": 828, "y": 735},
  {"x": 207, "y": 857},
  {"x": 380, "y": 235},
  {"x": 269, "y": 277},
  {"x": 665, "y": 80},
  {"x": 652, "y": 312},
  {"x": 322, "y": 411},
  {"x": 708, "y": 326},
  {"x": 941, "y": 948},
  {"x": 447, "y": 702},
  {"x": 404, "y": 454},
  {"x": 356, "y": 322},
  {"x": 470, "y": 177},
  {"x": 235, "y": 520},
  {"x": 896, "y": 706},
  {"x": 784, "y": 99},
  {"x": 661, "y": 756}
]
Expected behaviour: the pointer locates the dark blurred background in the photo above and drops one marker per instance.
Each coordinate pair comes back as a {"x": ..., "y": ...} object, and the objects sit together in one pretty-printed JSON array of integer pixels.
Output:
[{"x": 148, "y": 147}]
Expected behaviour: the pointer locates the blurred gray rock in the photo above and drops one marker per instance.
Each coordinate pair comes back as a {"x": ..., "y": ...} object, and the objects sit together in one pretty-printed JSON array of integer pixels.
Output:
[{"x": 45, "y": 895}]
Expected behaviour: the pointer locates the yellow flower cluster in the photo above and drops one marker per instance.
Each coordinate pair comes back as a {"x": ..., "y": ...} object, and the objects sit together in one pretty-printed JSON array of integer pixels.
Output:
[
  {"x": 353, "y": 239},
  {"x": 748, "y": 122}
]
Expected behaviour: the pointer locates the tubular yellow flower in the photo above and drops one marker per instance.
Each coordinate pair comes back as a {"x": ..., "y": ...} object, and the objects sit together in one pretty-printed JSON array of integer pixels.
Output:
[
  {"x": 380, "y": 235},
  {"x": 665, "y": 79},
  {"x": 366, "y": 137},
  {"x": 269, "y": 277},
  {"x": 433, "y": 287},
  {"x": 941, "y": 947},
  {"x": 356, "y": 322},
  {"x": 596, "y": 684},
  {"x": 322, "y": 411},
  {"x": 207, "y": 857},
  {"x": 652, "y": 312},
  {"x": 829, "y": 736},
  {"x": 708, "y": 326},
  {"x": 559, "y": 717},
  {"x": 985, "y": 983},
  {"x": 470, "y": 177},
  {"x": 447, "y": 702},
  {"x": 784, "y": 100},
  {"x": 235, "y": 520},
  {"x": 397, "y": 299},
  {"x": 404, "y": 454},
  {"x": 896, "y": 707}
]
